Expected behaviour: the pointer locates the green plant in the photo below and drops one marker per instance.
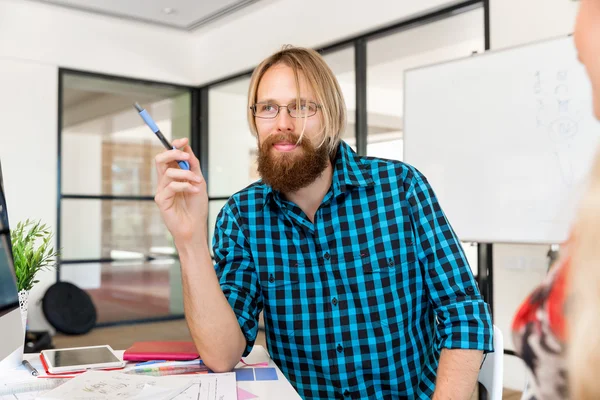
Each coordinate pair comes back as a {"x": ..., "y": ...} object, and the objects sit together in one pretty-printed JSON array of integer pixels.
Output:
[{"x": 32, "y": 251}]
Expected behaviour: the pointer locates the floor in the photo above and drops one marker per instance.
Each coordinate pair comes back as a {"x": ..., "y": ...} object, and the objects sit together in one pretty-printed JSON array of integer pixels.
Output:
[
  {"x": 132, "y": 294},
  {"x": 121, "y": 337}
]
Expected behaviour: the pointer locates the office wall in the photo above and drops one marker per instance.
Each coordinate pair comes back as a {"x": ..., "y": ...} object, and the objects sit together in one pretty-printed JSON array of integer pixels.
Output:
[
  {"x": 519, "y": 268},
  {"x": 51, "y": 35},
  {"x": 28, "y": 152},
  {"x": 515, "y": 22}
]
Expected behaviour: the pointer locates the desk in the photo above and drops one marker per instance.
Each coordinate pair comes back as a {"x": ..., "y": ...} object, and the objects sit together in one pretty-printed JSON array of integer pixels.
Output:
[
  {"x": 264, "y": 390},
  {"x": 267, "y": 390}
]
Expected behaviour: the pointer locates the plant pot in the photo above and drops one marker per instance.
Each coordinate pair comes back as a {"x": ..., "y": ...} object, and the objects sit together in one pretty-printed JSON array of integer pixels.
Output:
[{"x": 23, "y": 305}]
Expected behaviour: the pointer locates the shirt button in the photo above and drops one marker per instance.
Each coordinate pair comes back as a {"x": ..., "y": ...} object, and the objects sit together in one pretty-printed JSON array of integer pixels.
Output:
[
  {"x": 334, "y": 301},
  {"x": 271, "y": 278},
  {"x": 340, "y": 348},
  {"x": 347, "y": 393},
  {"x": 327, "y": 256},
  {"x": 470, "y": 290}
]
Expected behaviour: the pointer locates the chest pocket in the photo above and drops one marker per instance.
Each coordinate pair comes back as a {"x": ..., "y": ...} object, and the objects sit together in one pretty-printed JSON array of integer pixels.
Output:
[
  {"x": 388, "y": 274},
  {"x": 279, "y": 284},
  {"x": 281, "y": 292},
  {"x": 379, "y": 263},
  {"x": 386, "y": 260},
  {"x": 370, "y": 262}
]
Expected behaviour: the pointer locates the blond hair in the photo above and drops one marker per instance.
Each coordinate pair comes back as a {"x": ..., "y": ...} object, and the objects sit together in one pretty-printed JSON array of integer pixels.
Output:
[
  {"x": 583, "y": 313},
  {"x": 320, "y": 79}
]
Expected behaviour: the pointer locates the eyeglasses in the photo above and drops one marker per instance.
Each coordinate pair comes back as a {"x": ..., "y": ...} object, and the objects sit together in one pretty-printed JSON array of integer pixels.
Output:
[{"x": 270, "y": 110}]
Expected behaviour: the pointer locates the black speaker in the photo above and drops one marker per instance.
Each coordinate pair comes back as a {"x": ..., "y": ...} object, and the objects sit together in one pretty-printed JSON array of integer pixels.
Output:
[{"x": 69, "y": 309}]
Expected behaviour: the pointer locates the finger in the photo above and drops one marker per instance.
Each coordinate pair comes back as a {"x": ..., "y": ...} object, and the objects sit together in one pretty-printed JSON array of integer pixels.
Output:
[
  {"x": 177, "y": 174},
  {"x": 182, "y": 175},
  {"x": 167, "y": 159},
  {"x": 173, "y": 189},
  {"x": 193, "y": 160},
  {"x": 180, "y": 142}
]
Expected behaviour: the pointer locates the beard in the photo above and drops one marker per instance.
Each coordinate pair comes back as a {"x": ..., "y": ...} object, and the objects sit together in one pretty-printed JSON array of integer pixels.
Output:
[{"x": 288, "y": 172}]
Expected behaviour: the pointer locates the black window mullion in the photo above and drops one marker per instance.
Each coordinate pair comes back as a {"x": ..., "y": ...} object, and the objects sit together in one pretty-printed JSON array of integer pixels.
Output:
[
  {"x": 203, "y": 142},
  {"x": 360, "y": 66},
  {"x": 106, "y": 197},
  {"x": 59, "y": 172},
  {"x": 111, "y": 260}
]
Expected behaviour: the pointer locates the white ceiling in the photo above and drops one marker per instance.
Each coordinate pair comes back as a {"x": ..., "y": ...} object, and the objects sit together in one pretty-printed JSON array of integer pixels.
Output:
[{"x": 181, "y": 14}]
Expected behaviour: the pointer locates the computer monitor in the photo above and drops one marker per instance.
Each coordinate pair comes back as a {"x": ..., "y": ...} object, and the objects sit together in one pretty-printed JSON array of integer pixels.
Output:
[{"x": 11, "y": 327}]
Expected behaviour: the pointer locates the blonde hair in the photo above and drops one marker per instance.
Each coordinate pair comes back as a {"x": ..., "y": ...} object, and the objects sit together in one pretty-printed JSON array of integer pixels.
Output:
[
  {"x": 583, "y": 314},
  {"x": 320, "y": 79}
]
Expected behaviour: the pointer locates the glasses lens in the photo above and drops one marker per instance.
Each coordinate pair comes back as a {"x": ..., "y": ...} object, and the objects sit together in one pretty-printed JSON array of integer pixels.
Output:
[
  {"x": 265, "y": 110},
  {"x": 303, "y": 110}
]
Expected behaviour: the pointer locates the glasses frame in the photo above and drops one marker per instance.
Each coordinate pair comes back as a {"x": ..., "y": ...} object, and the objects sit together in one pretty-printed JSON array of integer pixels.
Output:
[{"x": 287, "y": 107}]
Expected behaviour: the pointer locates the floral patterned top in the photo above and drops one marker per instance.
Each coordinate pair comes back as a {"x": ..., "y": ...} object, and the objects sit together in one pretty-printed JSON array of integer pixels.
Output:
[{"x": 539, "y": 335}]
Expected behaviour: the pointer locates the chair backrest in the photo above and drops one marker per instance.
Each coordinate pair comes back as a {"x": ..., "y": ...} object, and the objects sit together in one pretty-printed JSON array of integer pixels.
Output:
[{"x": 492, "y": 370}]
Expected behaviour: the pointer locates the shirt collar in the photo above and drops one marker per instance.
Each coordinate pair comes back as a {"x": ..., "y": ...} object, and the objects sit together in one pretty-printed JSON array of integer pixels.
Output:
[{"x": 349, "y": 170}]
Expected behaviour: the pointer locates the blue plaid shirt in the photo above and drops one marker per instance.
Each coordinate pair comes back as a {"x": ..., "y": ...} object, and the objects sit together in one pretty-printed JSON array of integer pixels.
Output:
[{"x": 359, "y": 303}]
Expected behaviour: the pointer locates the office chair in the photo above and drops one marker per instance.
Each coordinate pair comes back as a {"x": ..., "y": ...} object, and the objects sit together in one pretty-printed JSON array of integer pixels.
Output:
[{"x": 492, "y": 370}]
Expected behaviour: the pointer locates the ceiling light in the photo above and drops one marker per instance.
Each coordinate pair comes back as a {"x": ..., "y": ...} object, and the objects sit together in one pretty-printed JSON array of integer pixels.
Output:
[{"x": 169, "y": 10}]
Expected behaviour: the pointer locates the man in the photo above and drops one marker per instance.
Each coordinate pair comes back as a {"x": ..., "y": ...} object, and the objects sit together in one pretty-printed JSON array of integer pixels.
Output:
[{"x": 365, "y": 288}]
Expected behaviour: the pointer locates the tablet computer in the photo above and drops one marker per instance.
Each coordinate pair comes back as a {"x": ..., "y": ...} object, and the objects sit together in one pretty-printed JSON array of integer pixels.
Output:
[{"x": 80, "y": 359}]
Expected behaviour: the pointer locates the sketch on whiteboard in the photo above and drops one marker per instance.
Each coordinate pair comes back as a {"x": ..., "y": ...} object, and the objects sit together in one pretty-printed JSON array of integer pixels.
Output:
[{"x": 558, "y": 118}]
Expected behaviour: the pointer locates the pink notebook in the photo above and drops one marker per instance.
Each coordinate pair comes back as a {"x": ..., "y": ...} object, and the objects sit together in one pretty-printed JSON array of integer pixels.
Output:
[{"x": 149, "y": 351}]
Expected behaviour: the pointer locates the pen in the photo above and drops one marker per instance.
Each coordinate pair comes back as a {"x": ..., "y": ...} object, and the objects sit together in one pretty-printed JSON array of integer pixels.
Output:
[
  {"x": 164, "y": 371},
  {"x": 30, "y": 368},
  {"x": 161, "y": 370},
  {"x": 152, "y": 125}
]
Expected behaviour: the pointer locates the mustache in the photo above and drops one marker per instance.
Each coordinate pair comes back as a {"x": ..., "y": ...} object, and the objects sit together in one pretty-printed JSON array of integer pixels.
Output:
[{"x": 282, "y": 137}]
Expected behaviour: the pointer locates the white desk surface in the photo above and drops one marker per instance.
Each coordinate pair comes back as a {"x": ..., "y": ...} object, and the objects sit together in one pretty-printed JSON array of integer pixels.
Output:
[
  {"x": 263, "y": 390},
  {"x": 267, "y": 390}
]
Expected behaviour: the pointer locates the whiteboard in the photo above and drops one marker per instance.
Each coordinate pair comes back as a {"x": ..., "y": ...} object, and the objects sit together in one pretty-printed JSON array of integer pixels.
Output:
[{"x": 505, "y": 138}]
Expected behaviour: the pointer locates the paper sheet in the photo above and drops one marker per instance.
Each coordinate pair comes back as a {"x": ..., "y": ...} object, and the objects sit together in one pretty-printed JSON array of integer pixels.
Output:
[
  {"x": 97, "y": 385},
  {"x": 22, "y": 396},
  {"x": 15, "y": 382},
  {"x": 211, "y": 387},
  {"x": 100, "y": 385}
]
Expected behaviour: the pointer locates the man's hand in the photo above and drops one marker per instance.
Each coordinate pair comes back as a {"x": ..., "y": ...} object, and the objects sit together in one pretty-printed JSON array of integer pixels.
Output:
[
  {"x": 181, "y": 195},
  {"x": 457, "y": 374}
]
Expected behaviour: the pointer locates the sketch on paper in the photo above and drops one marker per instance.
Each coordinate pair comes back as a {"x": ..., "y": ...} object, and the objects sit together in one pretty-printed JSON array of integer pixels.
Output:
[{"x": 100, "y": 385}]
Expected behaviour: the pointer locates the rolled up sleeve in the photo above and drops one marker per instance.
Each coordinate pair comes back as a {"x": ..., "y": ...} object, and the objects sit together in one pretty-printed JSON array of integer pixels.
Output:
[
  {"x": 237, "y": 275},
  {"x": 464, "y": 319}
]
